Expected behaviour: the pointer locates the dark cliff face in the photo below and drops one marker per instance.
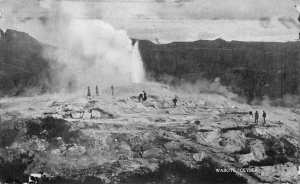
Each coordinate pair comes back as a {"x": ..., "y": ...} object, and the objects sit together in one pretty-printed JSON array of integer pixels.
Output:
[
  {"x": 22, "y": 64},
  {"x": 252, "y": 69}
]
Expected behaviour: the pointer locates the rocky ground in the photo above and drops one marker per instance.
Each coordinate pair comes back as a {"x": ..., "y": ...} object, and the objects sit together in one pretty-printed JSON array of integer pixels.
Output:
[{"x": 208, "y": 138}]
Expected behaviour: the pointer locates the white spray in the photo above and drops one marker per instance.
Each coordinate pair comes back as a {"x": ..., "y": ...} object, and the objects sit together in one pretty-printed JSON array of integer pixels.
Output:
[
  {"x": 137, "y": 68},
  {"x": 97, "y": 54}
]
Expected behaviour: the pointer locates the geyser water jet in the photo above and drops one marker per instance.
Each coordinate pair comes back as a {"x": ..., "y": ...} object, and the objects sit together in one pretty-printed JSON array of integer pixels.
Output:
[
  {"x": 95, "y": 53},
  {"x": 137, "y": 68}
]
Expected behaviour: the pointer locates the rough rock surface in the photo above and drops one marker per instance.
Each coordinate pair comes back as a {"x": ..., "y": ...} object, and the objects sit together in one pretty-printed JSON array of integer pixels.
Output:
[{"x": 140, "y": 143}]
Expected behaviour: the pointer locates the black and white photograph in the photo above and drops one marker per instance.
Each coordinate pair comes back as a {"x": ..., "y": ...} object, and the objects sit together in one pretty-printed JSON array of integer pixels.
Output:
[{"x": 149, "y": 91}]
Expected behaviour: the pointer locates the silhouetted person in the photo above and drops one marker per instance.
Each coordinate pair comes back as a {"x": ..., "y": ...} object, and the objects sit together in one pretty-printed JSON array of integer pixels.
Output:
[
  {"x": 112, "y": 90},
  {"x": 89, "y": 91},
  {"x": 175, "y": 101},
  {"x": 256, "y": 117},
  {"x": 145, "y": 96},
  {"x": 264, "y": 115},
  {"x": 97, "y": 91},
  {"x": 140, "y": 97},
  {"x": 250, "y": 113}
]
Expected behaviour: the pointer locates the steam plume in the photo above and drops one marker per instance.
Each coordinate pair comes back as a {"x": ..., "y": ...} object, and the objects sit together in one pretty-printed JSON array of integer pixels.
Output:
[{"x": 94, "y": 53}]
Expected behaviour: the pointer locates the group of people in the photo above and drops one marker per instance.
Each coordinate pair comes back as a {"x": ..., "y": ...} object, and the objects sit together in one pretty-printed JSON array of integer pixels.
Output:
[
  {"x": 143, "y": 96},
  {"x": 97, "y": 90},
  {"x": 256, "y": 115},
  {"x": 89, "y": 91}
]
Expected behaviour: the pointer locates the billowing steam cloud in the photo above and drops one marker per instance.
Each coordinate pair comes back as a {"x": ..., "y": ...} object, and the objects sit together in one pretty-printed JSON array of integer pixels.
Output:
[{"x": 94, "y": 53}]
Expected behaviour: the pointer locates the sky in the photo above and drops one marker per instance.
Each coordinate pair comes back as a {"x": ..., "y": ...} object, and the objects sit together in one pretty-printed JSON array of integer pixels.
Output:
[{"x": 160, "y": 21}]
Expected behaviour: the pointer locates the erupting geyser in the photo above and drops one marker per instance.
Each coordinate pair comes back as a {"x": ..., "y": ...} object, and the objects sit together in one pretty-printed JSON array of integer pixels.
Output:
[
  {"x": 95, "y": 53},
  {"x": 138, "y": 73}
]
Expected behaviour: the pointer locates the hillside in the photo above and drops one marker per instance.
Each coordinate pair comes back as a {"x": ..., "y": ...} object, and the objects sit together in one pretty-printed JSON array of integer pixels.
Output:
[
  {"x": 23, "y": 67},
  {"x": 252, "y": 69}
]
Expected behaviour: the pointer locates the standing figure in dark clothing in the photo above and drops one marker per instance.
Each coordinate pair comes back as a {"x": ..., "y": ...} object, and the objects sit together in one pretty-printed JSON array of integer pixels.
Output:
[
  {"x": 256, "y": 117},
  {"x": 264, "y": 117},
  {"x": 175, "y": 101},
  {"x": 145, "y": 96},
  {"x": 89, "y": 91},
  {"x": 112, "y": 90},
  {"x": 140, "y": 97},
  {"x": 97, "y": 91}
]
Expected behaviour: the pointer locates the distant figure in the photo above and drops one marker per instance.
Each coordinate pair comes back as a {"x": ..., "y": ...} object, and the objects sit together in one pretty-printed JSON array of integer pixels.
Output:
[
  {"x": 89, "y": 91},
  {"x": 140, "y": 97},
  {"x": 264, "y": 115},
  {"x": 250, "y": 115},
  {"x": 112, "y": 90},
  {"x": 145, "y": 96},
  {"x": 256, "y": 117},
  {"x": 175, "y": 101},
  {"x": 97, "y": 91}
]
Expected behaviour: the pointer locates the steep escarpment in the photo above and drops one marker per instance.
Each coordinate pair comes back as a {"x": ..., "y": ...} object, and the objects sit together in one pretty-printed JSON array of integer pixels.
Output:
[
  {"x": 23, "y": 64},
  {"x": 252, "y": 69}
]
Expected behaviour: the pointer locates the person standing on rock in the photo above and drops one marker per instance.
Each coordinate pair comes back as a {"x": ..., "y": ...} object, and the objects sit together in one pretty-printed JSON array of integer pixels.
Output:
[
  {"x": 145, "y": 96},
  {"x": 264, "y": 115},
  {"x": 112, "y": 90},
  {"x": 256, "y": 117},
  {"x": 140, "y": 97},
  {"x": 175, "y": 101},
  {"x": 97, "y": 91},
  {"x": 89, "y": 91}
]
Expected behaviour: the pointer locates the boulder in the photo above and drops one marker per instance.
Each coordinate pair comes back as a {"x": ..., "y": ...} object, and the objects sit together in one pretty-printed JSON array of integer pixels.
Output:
[
  {"x": 198, "y": 157},
  {"x": 55, "y": 153},
  {"x": 86, "y": 115},
  {"x": 152, "y": 166},
  {"x": 246, "y": 158},
  {"x": 96, "y": 114},
  {"x": 152, "y": 153},
  {"x": 258, "y": 150},
  {"x": 124, "y": 148}
]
